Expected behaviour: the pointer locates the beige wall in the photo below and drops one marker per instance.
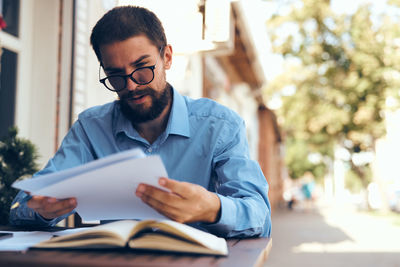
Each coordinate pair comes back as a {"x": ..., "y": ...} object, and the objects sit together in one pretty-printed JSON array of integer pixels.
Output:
[
  {"x": 39, "y": 64},
  {"x": 37, "y": 74}
]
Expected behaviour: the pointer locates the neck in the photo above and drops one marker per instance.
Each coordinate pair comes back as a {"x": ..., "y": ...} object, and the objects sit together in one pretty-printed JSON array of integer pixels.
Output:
[{"x": 151, "y": 130}]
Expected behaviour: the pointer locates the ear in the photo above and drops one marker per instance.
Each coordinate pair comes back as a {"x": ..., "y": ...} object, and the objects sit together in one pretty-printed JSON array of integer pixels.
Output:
[{"x": 167, "y": 57}]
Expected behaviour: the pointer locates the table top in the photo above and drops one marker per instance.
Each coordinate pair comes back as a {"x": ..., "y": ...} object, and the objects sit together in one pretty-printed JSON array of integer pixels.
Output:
[{"x": 242, "y": 252}]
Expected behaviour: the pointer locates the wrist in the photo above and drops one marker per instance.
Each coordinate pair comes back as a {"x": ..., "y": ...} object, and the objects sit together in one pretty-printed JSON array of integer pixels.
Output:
[{"x": 215, "y": 209}]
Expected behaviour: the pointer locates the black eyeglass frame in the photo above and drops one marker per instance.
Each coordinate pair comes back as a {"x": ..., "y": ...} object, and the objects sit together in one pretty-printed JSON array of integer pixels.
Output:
[{"x": 130, "y": 76}]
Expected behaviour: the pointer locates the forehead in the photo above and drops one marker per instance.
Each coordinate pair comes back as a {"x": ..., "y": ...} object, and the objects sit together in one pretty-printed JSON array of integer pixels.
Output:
[{"x": 122, "y": 53}]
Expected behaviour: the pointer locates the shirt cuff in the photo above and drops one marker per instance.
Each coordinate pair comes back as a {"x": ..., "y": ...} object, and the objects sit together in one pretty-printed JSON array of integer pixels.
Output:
[
  {"x": 24, "y": 215},
  {"x": 227, "y": 219},
  {"x": 44, "y": 221}
]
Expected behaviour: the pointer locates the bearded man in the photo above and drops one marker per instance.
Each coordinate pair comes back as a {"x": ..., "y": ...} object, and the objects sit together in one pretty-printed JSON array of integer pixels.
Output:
[{"x": 213, "y": 184}]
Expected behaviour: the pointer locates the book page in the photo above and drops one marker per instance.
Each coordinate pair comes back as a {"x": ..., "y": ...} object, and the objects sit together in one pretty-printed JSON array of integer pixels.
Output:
[
  {"x": 194, "y": 235},
  {"x": 115, "y": 234},
  {"x": 121, "y": 228},
  {"x": 157, "y": 241}
]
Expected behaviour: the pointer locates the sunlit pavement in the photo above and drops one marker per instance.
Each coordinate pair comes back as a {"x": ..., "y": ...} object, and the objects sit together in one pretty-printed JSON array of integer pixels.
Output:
[{"x": 333, "y": 235}]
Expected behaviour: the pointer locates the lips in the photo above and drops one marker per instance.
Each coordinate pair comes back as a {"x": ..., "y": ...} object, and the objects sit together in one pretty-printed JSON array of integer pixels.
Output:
[
  {"x": 133, "y": 97},
  {"x": 137, "y": 97}
]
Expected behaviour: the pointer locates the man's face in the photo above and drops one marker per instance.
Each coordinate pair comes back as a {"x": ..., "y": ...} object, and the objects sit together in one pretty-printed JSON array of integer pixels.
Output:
[{"x": 139, "y": 103}]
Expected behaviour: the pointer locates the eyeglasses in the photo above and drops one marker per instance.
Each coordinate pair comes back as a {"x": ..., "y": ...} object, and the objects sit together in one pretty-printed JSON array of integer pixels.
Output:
[{"x": 140, "y": 76}]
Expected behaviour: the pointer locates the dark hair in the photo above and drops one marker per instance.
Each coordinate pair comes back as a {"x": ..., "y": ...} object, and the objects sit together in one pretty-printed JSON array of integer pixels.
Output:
[{"x": 121, "y": 23}]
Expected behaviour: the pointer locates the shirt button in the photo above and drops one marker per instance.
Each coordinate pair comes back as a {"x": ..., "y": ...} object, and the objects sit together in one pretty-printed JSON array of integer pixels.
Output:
[{"x": 149, "y": 150}]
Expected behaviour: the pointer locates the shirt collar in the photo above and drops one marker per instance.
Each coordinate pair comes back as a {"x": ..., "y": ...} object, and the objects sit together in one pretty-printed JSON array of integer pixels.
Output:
[
  {"x": 178, "y": 121},
  {"x": 120, "y": 123}
]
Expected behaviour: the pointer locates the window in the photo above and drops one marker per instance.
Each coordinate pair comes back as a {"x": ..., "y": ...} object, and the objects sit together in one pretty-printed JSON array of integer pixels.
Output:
[
  {"x": 7, "y": 90},
  {"x": 10, "y": 10},
  {"x": 9, "y": 61}
]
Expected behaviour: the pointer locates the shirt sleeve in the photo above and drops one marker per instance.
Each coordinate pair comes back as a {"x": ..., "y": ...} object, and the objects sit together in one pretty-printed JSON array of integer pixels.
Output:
[
  {"x": 241, "y": 188},
  {"x": 75, "y": 150},
  {"x": 23, "y": 215}
]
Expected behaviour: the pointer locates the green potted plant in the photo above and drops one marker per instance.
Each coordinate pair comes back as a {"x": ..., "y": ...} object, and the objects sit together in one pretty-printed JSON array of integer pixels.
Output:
[{"x": 17, "y": 160}]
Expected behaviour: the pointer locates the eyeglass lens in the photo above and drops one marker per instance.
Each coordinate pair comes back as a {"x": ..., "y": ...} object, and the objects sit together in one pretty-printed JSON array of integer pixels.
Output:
[{"x": 139, "y": 76}]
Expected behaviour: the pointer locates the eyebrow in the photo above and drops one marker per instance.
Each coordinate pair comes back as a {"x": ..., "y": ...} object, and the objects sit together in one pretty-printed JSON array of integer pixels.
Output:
[{"x": 134, "y": 63}]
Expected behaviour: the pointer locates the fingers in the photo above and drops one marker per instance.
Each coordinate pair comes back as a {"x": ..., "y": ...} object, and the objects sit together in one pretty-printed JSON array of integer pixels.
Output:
[
  {"x": 180, "y": 188},
  {"x": 56, "y": 213},
  {"x": 185, "y": 202},
  {"x": 166, "y": 203},
  {"x": 160, "y": 195},
  {"x": 35, "y": 202},
  {"x": 160, "y": 206},
  {"x": 51, "y": 208}
]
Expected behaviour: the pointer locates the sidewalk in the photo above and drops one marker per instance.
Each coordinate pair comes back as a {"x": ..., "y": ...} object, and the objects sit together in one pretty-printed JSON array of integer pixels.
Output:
[{"x": 333, "y": 236}]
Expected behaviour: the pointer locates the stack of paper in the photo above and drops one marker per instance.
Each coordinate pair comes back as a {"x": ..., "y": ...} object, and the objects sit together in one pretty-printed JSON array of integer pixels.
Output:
[{"x": 105, "y": 188}]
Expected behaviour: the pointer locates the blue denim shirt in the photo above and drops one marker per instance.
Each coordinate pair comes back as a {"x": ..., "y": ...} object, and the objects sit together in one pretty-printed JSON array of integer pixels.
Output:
[{"x": 204, "y": 143}]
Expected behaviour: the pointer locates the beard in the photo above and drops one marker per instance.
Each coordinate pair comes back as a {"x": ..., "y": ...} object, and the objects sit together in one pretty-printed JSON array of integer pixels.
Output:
[{"x": 139, "y": 114}]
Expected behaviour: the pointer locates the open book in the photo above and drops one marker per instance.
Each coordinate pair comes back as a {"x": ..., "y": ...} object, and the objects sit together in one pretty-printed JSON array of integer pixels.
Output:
[
  {"x": 163, "y": 235},
  {"x": 104, "y": 188}
]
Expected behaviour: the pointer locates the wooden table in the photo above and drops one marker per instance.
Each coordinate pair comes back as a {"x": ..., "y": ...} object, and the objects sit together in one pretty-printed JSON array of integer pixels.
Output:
[{"x": 242, "y": 252}]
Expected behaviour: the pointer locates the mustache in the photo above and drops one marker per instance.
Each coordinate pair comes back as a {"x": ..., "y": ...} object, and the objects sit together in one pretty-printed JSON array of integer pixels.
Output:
[{"x": 136, "y": 93}]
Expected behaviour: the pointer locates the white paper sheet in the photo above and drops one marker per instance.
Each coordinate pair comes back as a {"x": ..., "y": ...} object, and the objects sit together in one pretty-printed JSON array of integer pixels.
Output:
[
  {"x": 105, "y": 192},
  {"x": 23, "y": 240},
  {"x": 53, "y": 178}
]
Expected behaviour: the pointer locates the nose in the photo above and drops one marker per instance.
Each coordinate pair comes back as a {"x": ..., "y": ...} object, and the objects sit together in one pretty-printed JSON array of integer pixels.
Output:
[{"x": 130, "y": 84}]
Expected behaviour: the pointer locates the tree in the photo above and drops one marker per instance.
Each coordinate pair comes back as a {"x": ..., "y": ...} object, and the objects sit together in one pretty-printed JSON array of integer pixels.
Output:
[
  {"x": 343, "y": 73},
  {"x": 17, "y": 160}
]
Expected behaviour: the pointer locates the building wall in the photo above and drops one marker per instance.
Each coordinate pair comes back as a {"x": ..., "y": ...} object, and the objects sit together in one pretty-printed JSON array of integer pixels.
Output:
[
  {"x": 186, "y": 74},
  {"x": 88, "y": 91},
  {"x": 44, "y": 70},
  {"x": 270, "y": 157},
  {"x": 232, "y": 78},
  {"x": 37, "y": 74}
]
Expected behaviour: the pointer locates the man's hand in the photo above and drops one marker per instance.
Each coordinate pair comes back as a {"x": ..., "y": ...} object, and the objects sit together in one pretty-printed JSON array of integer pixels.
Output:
[
  {"x": 184, "y": 203},
  {"x": 50, "y": 208}
]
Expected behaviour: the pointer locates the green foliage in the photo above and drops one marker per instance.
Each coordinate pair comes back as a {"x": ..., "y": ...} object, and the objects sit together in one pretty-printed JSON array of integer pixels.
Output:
[
  {"x": 297, "y": 158},
  {"x": 353, "y": 182},
  {"x": 17, "y": 160},
  {"x": 344, "y": 69}
]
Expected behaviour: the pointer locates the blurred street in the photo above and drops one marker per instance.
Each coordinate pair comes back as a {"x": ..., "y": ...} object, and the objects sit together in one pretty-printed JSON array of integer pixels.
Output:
[{"x": 334, "y": 235}]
